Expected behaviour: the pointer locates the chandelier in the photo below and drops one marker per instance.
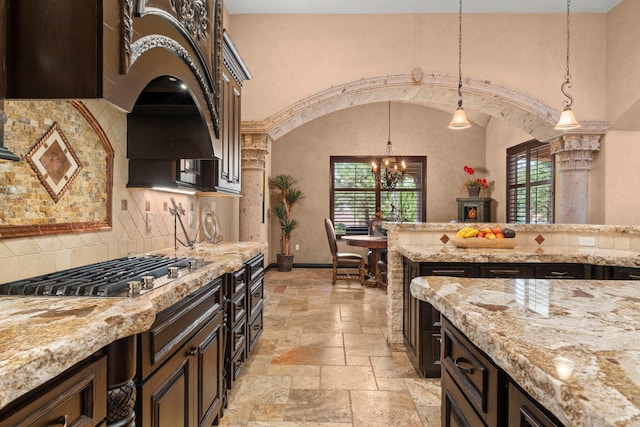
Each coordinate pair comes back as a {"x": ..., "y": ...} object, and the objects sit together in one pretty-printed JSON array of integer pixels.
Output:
[
  {"x": 459, "y": 120},
  {"x": 386, "y": 173},
  {"x": 567, "y": 118}
]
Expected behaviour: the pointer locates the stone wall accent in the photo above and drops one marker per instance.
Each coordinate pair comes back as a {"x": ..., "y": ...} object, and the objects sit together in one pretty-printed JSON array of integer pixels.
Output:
[{"x": 25, "y": 202}]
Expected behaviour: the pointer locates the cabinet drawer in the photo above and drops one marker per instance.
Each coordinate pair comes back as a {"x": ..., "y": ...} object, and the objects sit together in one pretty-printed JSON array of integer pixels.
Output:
[
  {"x": 237, "y": 337},
  {"x": 626, "y": 273},
  {"x": 255, "y": 296},
  {"x": 255, "y": 328},
  {"x": 255, "y": 268},
  {"x": 176, "y": 324},
  {"x": 507, "y": 271},
  {"x": 78, "y": 398},
  {"x": 447, "y": 269},
  {"x": 524, "y": 412},
  {"x": 456, "y": 409},
  {"x": 237, "y": 283},
  {"x": 237, "y": 309},
  {"x": 478, "y": 379},
  {"x": 562, "y": 271}
]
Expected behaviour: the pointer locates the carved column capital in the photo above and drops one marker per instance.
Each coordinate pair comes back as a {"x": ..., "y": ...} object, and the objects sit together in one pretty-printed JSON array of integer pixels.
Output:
[
  {"x": 254, "y": 150},
  {"x": 575, "y": 150}
]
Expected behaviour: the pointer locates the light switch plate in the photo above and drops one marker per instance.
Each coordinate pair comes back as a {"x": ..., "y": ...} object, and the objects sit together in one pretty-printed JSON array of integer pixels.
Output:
[{"x": 586, "y": 241}]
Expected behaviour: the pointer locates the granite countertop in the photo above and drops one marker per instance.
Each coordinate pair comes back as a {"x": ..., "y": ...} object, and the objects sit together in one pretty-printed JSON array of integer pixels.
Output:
[
  {"x": 521, "y": 254},
  {"x": 574, "y": 345},
  {"x": 40, "y": 337}
]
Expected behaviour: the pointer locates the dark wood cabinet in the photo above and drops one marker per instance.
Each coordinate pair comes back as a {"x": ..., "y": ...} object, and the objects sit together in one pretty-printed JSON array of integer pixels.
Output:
[
  {"x": 236, "y": 315},
  {"x": 180, "y": 364},
  {"x": 255, "y": 297},
  {"x": 474, "y": 374},
  {"x": 523, "y": 411},
  {"x": 421, "y": 321},
  {"x": 78, "y": 397},
  {"x": 625, "y": 273}
]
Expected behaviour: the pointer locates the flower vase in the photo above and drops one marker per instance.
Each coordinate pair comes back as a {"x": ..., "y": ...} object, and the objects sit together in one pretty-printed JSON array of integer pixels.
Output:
[{"x": 474, "y": 191}]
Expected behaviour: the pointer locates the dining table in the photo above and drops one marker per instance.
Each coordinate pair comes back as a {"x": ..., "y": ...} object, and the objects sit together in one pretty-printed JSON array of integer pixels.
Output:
[{"x": 375, "y": 244}]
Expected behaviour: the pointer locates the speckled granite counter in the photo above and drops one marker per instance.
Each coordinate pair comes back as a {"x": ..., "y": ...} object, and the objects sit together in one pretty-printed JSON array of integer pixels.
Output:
[
  {"x": 536, "y": 330},
  {"x": 40, "y": 337},
  {"x": 524, "y": 254}
]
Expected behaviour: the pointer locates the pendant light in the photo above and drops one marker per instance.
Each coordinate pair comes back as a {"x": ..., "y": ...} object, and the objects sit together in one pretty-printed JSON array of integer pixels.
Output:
[
  {"x": 390, "y": 175},
  {"x": 567, "y": 118},
  {"x": 459, "y": 120}
]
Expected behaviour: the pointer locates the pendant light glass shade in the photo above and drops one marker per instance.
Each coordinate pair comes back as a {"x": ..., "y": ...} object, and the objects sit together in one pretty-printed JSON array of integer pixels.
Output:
[
  {"x": 459, "y": 120},
  {"x": 567, "y": 120}
]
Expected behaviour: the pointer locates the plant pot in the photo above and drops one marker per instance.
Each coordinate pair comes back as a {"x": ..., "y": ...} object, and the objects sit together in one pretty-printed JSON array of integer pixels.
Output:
[
  {"x": 285, "y": 262},
  {"x": 474, "y": 191}
]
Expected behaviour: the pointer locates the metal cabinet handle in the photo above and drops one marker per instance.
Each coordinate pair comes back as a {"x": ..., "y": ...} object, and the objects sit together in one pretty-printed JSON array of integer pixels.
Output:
[
  {"x": 194, "y": 351},
  {"x": 256, "y": 327},
  {"x": 634, "y": 276},
  {"x": 62, "y": 420},
  {"x": 459, "y": 360},
  {"x": 559, "y": 273},
  {"x": 257, "y": 295}
]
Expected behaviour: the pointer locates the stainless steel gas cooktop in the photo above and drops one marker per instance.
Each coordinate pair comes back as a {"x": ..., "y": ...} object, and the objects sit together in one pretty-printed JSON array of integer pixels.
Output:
[{"x": 122, "y": 277}]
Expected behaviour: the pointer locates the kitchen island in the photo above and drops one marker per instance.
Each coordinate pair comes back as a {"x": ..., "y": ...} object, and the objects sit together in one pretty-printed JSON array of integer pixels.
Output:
[
  {"x": 572, "y": 345},
  {"x": 41, "y": 337}
]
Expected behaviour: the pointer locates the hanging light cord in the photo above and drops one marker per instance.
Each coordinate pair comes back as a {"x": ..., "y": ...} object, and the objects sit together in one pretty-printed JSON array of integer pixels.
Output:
[
  {"x": 389, "y": 121},
  {"x": 460, "y": 57},
  {"x": 567, "y": 77}
]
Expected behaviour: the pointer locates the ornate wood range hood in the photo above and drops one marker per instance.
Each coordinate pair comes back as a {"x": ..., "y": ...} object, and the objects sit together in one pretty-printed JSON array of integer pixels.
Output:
[{"x": 133, "y": 54}]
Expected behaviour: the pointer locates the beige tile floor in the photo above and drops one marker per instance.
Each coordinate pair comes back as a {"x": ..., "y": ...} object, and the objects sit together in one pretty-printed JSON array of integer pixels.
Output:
[{"x": 323, "y": 360}]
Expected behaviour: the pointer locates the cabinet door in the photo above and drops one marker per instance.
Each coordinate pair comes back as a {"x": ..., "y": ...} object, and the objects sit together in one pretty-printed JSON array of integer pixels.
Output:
[
  {"x": 229, "y": 166},
  {"x": 209, "y": 344},
  {"x": 166, "y": 399},
  {"x": 410, "y": 326}
]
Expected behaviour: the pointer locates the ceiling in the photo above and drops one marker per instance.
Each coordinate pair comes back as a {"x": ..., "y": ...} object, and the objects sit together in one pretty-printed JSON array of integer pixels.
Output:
[{"x": 416, "y": 6}]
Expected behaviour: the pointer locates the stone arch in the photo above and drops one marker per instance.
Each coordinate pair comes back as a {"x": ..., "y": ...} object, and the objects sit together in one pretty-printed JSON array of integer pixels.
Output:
[{"x": 482, "y": 99}]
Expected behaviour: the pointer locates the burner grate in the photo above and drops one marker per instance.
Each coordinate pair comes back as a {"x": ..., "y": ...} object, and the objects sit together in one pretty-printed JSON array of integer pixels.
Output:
[{"x": 102, "y": 279}]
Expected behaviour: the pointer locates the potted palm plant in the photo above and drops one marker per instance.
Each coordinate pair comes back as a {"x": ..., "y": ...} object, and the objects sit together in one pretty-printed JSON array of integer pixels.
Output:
[{"x": 287, "y": 196}]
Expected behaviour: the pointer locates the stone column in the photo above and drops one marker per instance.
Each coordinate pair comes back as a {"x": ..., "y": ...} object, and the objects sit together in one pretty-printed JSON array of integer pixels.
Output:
[
  {"x": 574, "y": 153},
  {"x": 254, "y": 151}
]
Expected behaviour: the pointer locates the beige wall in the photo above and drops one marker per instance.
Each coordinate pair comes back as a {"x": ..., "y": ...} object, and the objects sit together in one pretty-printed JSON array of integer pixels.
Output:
[
  {"x": 500, "y": 136},
  {"x": 623, "y": 63},
  {"x": 294, "y": 56},
  {"x": 415, "y": 130}
]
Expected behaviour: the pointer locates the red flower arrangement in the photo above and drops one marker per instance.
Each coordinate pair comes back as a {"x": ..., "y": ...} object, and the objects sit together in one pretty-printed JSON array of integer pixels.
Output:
[{"x": 478, "y": 182}]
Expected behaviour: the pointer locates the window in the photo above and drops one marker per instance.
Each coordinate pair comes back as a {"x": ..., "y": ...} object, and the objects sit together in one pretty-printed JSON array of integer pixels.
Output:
[
  {"x": 530, "y": 172},
  {"x": 355, "y": 197}
]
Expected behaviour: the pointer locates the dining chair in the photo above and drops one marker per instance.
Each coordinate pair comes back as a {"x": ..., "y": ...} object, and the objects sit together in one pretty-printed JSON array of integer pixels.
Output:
[{"x": 343, "y": 262}]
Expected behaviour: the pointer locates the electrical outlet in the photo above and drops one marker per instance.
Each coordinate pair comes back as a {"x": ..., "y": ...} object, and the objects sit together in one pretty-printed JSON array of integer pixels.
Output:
[
  {"x": 149, "y": 220},
  {"x": 586, "y": 241},
  {"x": 297, "y": 247},
  {"x": 190, "y": 218}
]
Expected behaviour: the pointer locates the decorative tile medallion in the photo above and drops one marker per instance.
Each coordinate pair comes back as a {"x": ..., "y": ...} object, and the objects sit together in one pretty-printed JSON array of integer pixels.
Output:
[
  {"x": 54, "y": 161},
  {"x": 539, "y": 239},
  {"x": 444, "y": 239}
]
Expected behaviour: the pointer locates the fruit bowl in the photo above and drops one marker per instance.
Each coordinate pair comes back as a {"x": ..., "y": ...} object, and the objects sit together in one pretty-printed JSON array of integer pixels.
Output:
[{"x": 483, "y": 242}]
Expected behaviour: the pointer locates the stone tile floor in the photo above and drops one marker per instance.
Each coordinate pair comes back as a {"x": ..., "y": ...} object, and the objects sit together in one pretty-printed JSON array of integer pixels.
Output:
[{"x": 323, "y": 361}]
